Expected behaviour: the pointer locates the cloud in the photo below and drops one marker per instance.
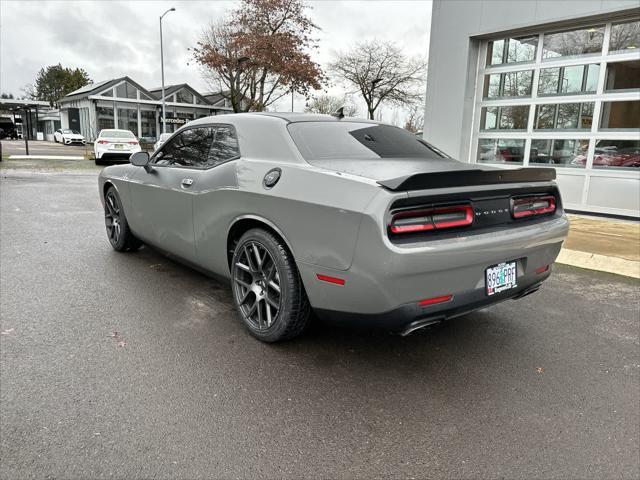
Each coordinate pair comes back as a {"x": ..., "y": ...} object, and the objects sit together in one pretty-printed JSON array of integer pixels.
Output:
[{"x": 114, "y": 38}]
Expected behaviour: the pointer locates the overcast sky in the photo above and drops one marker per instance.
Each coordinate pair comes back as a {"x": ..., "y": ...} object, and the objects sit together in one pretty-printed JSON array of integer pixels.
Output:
[{"x": 110, "y": 39}]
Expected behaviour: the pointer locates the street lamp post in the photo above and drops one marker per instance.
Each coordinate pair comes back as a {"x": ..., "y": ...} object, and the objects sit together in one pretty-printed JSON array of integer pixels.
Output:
[{"x": 164, "y": 113}]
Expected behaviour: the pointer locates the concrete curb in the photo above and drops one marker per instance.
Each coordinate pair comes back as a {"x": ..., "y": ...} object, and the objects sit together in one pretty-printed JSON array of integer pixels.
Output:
[
  {"x": 45, "y": 157},
  {"x": 601, "y": 263}
]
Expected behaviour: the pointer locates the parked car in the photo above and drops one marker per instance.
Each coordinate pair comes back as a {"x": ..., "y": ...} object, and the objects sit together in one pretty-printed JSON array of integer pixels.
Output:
[
  {"x": 355, "y": 219},
  {"x": 68, "y": 137},
  {"x": 8, "y": 128},
  {"x": 616, "y": 153},
  {"x": 115, "y": 145},
  {"x": 161, "y": 139}
]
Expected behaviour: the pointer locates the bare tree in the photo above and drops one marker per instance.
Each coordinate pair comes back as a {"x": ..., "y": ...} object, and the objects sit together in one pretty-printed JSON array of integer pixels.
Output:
[
  {"x": 381, "y": 73},
  {"x": 415, "y": 119},
  {"x": 328, "y": 104},
  {"x": 260, "y": 53}
]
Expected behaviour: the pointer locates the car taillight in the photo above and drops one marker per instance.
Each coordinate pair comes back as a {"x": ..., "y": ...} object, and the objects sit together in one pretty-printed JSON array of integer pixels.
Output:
[
  {"x": 133, "y": 142},
  {"x": 102, "y": 142},
  {"x": 438, "y": 218},
  {"x": 532, "y": 206}
]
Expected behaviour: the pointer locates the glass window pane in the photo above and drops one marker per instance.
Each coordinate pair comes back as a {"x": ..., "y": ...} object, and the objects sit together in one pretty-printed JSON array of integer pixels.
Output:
[
  {"x": 620, "y": 115},
  {"x": 564, "y": 116},
  {"x": 224, "y": 147},
  {"x": 517, "y": 84},
  {"x": 145, "y": 97},
  {"x": 183, "y": 96},
  {"x": 522, "y": 49},
  {"x": 586, "y": 116},
  {"x": 189, "y": 148},
  {"x": 593, "y": 72},
  {"x": 625, "y": 37},
  {"x": 505, "y": 150},
  {"x": 572, "y": 79},
  {"x": 623, "y": 75},
  {"x": 514, "y": 118},
  {"x": 104, "y": 118},
  {"x": 517, "y": 50},
  {"x": 491, "y": 86},
  {"x": 495, "y": 52},
  {"x": 568, "y": 114},
  {"x": 549, "y": 81},
  {"x": 489, "y": 120},
  {"x": 574, "y": 42},
  {"x": 148, "y": 125},
  {"x": 566, "y": 153},
  {"x": 545, "y": 116},
  {"x": 107, "y": 93},
  {"x": 617, "y": 154},
  {"x": 128, "y": 119},
  {"x": 125, "y": 90},
  {"x": 540, "y": 151}
]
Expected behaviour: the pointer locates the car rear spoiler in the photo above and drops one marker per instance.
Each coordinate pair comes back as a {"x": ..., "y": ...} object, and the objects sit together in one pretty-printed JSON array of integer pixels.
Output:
[{"x": 464, "y": 178}]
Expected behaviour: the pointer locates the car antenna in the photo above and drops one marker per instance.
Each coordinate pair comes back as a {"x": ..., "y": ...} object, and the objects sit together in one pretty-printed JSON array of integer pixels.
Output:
[{"x": 339, "y": 113}]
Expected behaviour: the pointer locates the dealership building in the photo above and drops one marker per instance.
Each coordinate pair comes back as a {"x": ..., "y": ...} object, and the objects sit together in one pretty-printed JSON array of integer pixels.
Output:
[
  {"x": 123, "y": 103},
  {"x": 543, "y": 84}
]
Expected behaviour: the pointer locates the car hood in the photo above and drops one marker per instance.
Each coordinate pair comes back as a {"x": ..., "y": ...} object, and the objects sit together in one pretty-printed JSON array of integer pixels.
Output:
[{"x": 72, "y": 135}]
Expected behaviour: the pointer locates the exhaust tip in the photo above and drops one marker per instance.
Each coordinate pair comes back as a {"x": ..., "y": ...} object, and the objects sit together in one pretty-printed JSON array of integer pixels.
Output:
[{"x": 419, "y": 325}]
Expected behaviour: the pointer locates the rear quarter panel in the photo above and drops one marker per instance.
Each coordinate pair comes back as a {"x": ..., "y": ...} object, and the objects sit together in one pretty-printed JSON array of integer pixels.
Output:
[{"x": 318, "y": 213}]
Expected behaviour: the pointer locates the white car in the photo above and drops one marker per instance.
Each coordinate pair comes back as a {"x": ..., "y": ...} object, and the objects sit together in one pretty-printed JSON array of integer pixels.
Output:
[
  {"x": 67, "y": 136},
  {"x": 114, "y": 144},
  {"x": 163, "y": 138}
]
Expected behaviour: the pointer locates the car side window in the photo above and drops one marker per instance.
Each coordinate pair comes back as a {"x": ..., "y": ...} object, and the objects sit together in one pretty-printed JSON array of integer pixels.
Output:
[
  {"x": 190, "y": 148},
  {"x": 224, "y": 146}
]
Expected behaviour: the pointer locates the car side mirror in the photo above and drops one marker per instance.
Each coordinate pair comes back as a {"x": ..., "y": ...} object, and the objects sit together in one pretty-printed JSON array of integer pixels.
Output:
[{"x": 141, "y": 159}]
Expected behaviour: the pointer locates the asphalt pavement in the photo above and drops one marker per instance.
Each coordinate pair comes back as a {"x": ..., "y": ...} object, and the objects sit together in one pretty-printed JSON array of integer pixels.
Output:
[{"x": 133, "y": 366}]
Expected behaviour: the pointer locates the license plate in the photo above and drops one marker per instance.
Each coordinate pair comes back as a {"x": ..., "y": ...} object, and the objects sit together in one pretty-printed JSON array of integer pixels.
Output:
[
  {"x": 501, "y": 277},
  {"x": 118, "y": 146}
]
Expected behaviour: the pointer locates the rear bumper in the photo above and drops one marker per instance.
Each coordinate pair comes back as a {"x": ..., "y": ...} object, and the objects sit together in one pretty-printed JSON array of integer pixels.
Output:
[
  {"x": 410, "y": 317},
  {"x": 386, "y": 281}
]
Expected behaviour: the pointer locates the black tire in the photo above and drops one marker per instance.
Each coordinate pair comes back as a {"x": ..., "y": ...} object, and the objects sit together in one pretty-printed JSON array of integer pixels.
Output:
[
  {"x": 255, "y": 281},
  {"x": 118, "y": 232}
]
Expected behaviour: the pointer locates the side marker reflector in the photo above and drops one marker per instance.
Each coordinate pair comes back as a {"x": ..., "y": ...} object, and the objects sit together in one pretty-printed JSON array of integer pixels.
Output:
[
  {"x": 542, "y": 269},
  {"x": 327, "y": 278},
  {"x": 435, "y": 300}
]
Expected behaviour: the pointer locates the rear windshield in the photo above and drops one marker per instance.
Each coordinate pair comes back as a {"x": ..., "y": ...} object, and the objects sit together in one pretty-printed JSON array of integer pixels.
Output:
[
  {"x": 117, "y": 134},
  {"x": 352, "y": 140}
]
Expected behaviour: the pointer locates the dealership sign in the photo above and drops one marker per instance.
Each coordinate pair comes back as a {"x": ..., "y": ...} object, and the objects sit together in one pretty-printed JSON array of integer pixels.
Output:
[{"x": 176, "y": 121}]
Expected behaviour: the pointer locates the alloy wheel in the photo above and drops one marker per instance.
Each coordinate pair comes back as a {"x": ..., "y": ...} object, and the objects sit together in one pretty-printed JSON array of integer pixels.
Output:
[
  {"x": 112, "y": 218},
  {"x": 256, "y": 285}
]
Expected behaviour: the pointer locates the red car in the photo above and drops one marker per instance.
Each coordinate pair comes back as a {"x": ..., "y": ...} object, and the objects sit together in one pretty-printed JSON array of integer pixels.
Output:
[{"x": 611, "y": 157}]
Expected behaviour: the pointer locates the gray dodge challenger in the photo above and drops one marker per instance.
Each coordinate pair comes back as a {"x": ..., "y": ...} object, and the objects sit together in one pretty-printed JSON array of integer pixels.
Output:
[{"x": 355, "y": 220}]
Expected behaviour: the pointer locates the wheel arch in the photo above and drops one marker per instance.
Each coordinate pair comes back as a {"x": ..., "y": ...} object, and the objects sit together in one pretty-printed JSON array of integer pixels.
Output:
[{"x": 245, "y": 223}]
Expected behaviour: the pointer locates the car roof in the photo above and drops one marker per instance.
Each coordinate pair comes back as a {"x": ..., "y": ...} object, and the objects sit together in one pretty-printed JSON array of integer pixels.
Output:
[
  {"x": 288, "y": 117},
  {"x": 294, "y": 117}
]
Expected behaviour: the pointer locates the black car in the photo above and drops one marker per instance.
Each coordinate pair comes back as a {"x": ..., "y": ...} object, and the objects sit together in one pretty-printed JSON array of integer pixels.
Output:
[{"x": 7, "y": 128}]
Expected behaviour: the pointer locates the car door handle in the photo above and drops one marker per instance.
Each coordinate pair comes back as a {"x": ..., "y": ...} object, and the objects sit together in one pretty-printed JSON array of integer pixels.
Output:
[{"x": 187, "y": 182}]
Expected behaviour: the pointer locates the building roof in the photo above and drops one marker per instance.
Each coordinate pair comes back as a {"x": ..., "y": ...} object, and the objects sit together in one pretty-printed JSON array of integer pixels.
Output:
[
  {"x": 10, "y": 104},
  {"x": 171, "y": 89},
  {"x": 95, "y": 88},
  {"x": 88, "y": 88}
]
